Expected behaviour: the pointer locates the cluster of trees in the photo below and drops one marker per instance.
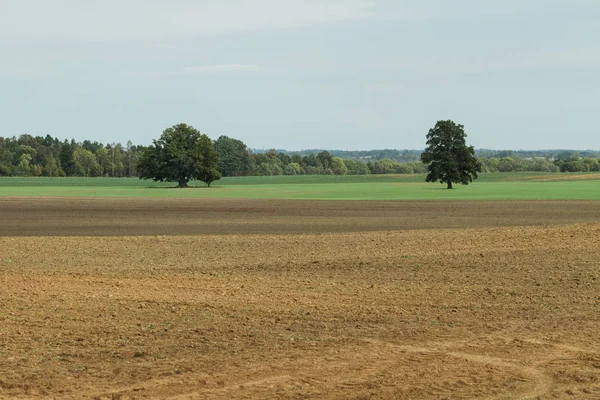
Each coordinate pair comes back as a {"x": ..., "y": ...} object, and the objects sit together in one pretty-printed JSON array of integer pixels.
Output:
[
  {"x": 568, "y": 162},
  {"x": 47, "y": 156},
  {"x": 409, "y": 156},
  {"x": 402, "y": 156},
  {"x": 535, "y": 154},
  {"x": 575, "y": 163},
  {"x": 515, "y": 164},
  {"x": 275, "y": 162},
  {"x": 182, "y": 153}
]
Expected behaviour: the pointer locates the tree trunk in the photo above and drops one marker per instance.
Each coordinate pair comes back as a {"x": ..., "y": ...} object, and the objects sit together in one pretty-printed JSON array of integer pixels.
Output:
[
  {"x": 449, "y": 184},
  {"x": 182, "y": 183}
]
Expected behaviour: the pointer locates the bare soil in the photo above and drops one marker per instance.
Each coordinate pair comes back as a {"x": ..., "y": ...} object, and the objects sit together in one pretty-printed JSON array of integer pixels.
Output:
[
  {"x": 151, "y": 216},
  {"x": 189, "y": 299}
]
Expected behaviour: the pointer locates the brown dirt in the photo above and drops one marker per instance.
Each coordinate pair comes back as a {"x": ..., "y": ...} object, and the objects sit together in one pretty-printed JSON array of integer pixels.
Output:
[
  {"x": 143, "y": 217},
  {"x": 487, "y": 309}
]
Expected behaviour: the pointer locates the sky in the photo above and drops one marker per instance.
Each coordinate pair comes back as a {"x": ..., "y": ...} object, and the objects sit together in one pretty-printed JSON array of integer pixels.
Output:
[{"x": 291, "y": 74}]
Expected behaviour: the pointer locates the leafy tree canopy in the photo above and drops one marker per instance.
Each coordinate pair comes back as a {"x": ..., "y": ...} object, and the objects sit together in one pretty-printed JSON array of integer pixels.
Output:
[
  {"x": 449, "y": 158},
  {"x": 234, "y": 157},
  {"x": 180, "y": 155}
]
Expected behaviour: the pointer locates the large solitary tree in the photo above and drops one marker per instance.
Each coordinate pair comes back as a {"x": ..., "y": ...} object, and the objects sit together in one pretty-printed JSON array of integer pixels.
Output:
[
  {"x": 448, "y": 158},
  {"x": 180, "y": 155}
]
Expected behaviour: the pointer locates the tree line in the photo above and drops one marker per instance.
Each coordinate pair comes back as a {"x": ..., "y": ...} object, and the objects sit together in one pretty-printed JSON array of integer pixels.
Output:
[
  {"x": 29, "y": 155},
  {"x": 48, "y": 156}
]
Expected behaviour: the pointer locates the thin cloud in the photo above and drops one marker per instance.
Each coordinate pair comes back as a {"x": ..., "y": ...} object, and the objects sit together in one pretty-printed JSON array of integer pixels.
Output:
[
  {"x": 72, "y": 20},
  {"x": 467, "y": 10},
  {"x": 571, "y": 58},
  {"x": 190, "y": 70}
]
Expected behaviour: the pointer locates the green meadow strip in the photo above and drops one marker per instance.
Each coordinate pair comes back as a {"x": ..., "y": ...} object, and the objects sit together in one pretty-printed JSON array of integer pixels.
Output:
[{"x": 370, "y": 187}]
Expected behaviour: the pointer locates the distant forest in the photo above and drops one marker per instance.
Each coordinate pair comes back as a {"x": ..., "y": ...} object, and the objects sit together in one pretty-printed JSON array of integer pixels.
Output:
[{"x": 29, "y": 155}]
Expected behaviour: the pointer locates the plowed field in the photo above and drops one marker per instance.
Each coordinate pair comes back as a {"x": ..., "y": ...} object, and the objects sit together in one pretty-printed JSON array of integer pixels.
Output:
[{"x": 203, "y": 299}]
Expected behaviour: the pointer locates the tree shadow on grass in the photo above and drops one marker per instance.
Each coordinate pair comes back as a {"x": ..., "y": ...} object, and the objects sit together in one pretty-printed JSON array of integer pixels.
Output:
[
  {"x": 176, "y": 187},
  {"x": 185, "y": 188}
]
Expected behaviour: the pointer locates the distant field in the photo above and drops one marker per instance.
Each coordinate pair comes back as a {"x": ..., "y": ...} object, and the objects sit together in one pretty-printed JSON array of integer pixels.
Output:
[{"x": 500, "y": 186}]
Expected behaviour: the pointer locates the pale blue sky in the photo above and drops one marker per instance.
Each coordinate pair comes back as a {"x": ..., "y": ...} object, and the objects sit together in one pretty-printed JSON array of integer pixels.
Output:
[{"x": 335, "y": 74}]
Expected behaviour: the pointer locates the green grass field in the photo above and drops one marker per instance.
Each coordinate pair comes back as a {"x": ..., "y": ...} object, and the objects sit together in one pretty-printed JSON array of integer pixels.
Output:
[{"x": 499, "y": 186}]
